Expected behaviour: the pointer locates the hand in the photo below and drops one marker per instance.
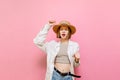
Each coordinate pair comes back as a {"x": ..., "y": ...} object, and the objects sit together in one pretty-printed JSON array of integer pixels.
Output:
[
  {"x": 77, "y": 57},
  {"x": 52, "y": 22}
]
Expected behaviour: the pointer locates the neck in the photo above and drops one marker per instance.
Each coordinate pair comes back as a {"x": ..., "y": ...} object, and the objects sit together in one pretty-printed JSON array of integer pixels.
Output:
[{"x": 64, "y": 40}]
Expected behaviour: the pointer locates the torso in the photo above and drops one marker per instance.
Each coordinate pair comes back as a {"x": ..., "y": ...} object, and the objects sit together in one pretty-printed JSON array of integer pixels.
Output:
[
  {"x": 62, "y": 63},
  {"x": 62, "y": 67}
]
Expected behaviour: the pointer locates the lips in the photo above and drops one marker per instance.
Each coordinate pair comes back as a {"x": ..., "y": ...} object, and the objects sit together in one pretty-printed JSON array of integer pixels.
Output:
[{"x": 63, "y": 35}]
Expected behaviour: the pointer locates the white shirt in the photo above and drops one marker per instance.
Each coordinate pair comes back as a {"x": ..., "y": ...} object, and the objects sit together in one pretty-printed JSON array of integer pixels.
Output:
[{"x": 52, "y": 48}]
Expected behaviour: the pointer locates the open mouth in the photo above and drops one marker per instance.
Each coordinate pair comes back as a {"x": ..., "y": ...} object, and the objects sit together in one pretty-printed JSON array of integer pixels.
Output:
[{"x": 63, "y": 35}]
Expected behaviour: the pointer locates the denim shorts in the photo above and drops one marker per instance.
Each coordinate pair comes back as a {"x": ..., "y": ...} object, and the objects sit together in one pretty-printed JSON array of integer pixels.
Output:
[{"x": 57, "y": 76}]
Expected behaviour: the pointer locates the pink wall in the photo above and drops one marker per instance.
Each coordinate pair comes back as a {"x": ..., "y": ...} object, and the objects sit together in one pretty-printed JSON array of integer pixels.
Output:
[{"x": 98, "y": 34}]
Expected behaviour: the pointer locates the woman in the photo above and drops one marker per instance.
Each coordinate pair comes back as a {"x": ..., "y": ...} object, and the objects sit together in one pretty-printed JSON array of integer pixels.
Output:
[{"x": 62, "y": 56}]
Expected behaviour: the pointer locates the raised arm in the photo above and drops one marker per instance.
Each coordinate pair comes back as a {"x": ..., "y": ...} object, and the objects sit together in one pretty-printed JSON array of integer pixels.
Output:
[{"x": 39, "y": 40}]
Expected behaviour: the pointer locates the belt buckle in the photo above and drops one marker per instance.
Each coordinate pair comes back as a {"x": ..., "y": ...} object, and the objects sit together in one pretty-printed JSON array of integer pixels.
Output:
[{"x": 64, "y": 74}]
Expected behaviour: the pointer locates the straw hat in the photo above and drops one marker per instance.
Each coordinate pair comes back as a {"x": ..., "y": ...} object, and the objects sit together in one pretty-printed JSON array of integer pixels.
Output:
[{"x": 64, "y": 22}]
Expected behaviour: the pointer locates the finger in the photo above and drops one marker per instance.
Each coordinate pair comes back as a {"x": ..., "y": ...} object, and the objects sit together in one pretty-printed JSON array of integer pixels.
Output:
[
  {"x": 77, "y": 56},
  {"x": 52, "y": 21}
]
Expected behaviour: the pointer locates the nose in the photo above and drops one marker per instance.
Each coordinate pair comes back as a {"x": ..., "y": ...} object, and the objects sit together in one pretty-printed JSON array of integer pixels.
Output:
[{"x": 63, "y": 31}]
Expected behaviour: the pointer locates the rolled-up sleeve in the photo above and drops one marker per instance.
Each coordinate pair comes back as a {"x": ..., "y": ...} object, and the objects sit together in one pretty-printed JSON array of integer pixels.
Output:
[{"x": 40, "y": 38}]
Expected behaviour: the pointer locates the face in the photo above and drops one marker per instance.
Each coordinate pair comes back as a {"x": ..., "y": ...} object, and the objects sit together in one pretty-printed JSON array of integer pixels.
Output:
[{"x": 64, "y": 32}]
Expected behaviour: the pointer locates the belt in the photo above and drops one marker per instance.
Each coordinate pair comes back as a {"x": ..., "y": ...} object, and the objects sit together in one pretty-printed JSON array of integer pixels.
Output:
[{"x": 65, "y": 74}]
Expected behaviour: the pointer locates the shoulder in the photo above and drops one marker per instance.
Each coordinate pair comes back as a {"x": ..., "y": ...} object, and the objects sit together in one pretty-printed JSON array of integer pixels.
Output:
[
  {"x": 73, "y": 43},
  {"x": 52, "y": 42}
]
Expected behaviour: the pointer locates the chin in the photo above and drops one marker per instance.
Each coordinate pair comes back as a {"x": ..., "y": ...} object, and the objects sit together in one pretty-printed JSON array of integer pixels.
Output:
[{"x": 63, "y": 38}]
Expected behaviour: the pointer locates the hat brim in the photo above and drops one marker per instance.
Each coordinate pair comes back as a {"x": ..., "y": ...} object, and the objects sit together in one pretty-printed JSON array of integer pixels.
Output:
[{"x": 56, "y": 27}]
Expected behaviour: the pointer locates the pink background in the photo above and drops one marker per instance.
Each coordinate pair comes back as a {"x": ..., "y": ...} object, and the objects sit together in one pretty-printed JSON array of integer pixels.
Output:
[{"x": 98, "y": 34}]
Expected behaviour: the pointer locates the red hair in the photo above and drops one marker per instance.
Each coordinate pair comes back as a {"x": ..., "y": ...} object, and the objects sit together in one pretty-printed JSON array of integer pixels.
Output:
[{"x": 58, "y": 31}]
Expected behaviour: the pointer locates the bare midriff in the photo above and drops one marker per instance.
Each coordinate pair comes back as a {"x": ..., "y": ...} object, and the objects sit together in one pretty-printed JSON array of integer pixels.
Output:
[{"x": 64, "y": 68}]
